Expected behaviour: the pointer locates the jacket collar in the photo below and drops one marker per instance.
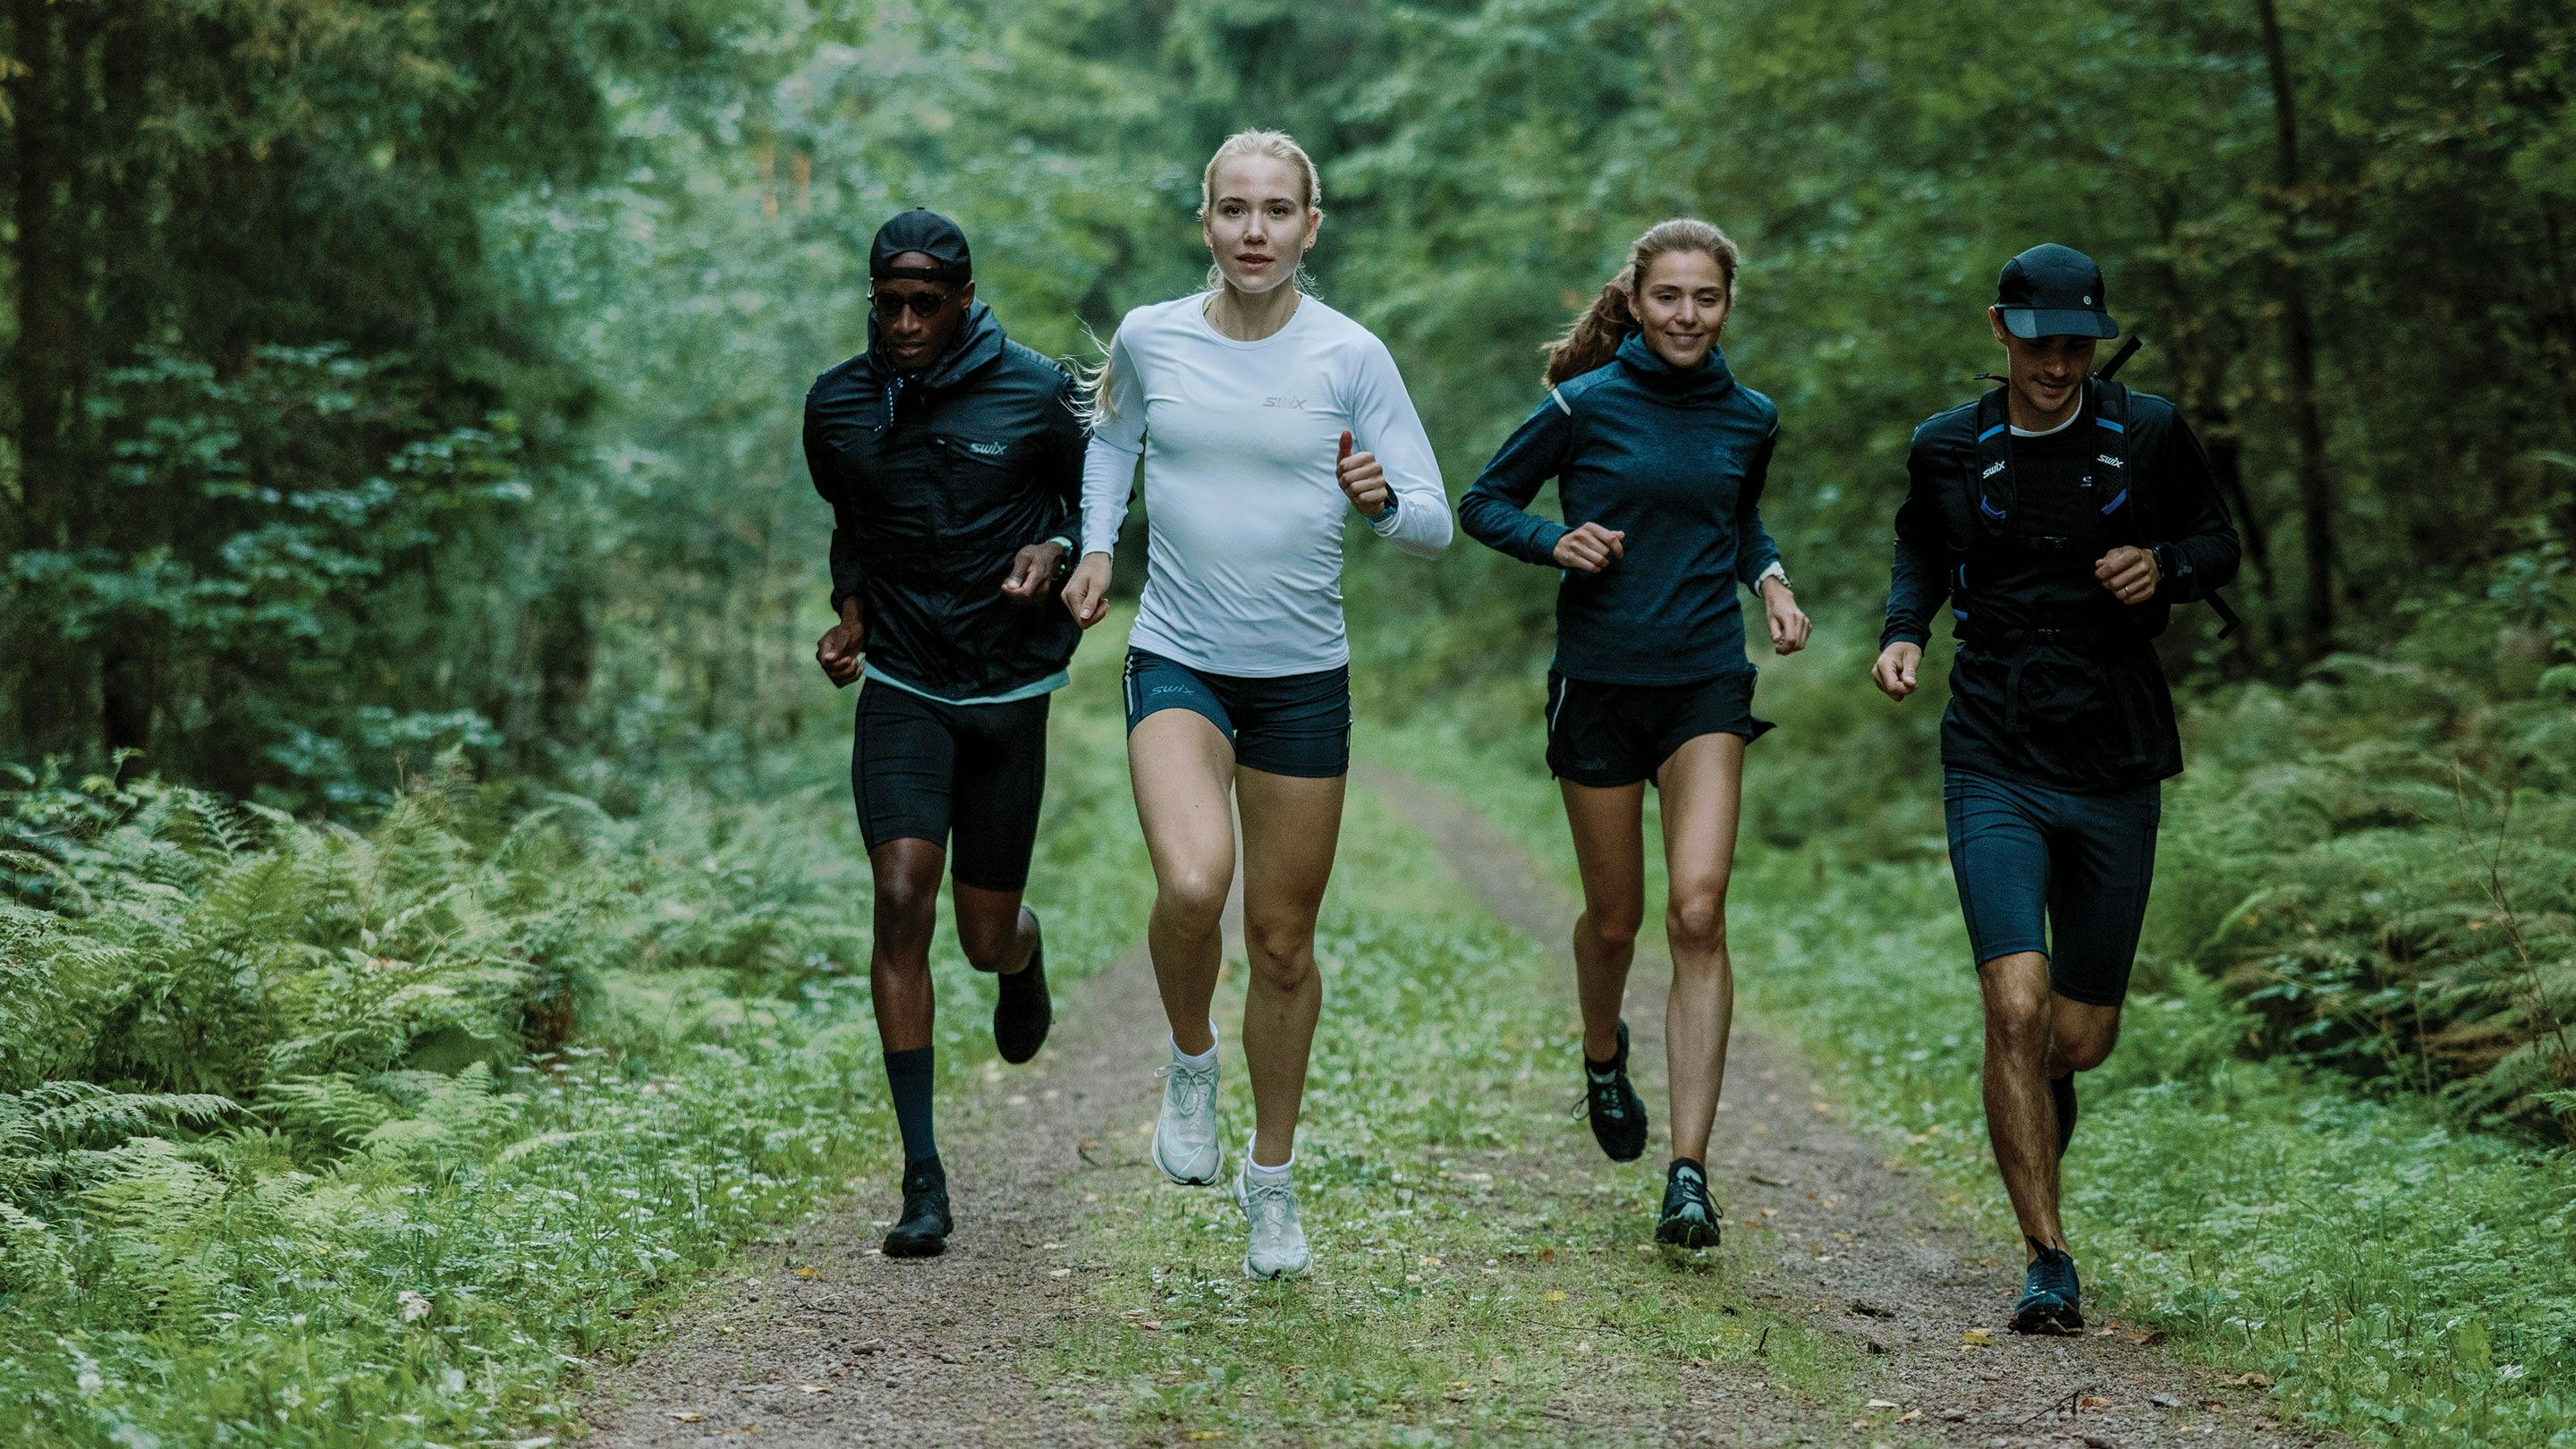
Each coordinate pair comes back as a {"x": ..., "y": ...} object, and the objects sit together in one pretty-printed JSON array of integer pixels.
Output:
[
  {"x": 1709, "y": 380},
  {"x": 978, "y": 342}
]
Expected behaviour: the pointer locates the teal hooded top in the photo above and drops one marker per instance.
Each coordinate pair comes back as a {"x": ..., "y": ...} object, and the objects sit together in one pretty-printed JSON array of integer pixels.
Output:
[{"x": 1676, "y": 460}]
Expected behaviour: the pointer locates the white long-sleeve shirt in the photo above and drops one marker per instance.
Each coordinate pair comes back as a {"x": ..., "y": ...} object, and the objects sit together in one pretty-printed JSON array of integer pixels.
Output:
[{"x": 1244, "y": 554}]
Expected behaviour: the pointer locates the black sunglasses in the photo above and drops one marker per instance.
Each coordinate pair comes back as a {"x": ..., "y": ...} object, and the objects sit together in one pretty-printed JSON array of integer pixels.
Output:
[{"x": 890, "y": 305}]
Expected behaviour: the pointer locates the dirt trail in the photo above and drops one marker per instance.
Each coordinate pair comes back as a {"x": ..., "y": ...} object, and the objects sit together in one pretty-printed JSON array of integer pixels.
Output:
[
  {"x": 1859, "y": 1250},
  {"x": 825, "y": 1342},
  {"x": 821, "y": 1341}
]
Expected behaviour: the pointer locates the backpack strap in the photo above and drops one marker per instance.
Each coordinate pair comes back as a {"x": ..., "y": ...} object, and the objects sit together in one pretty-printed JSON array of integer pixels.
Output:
[
  {"x": 1990, "y": 469},
  {"x": 2110, "y": 403},
  {"x": 2111, "y": 413}
]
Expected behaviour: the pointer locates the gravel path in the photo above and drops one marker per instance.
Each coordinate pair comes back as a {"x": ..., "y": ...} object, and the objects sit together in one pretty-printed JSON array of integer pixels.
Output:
[{"x": 821, "y": 1341}]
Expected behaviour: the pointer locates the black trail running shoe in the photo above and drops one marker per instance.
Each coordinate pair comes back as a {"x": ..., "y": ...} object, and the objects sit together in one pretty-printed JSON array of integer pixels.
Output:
[
  {"x": 1024, "y": 1011},
  {"x": 1618, "y": 1118},
  {"x": 923, "y": 1230},
  {"x": 2049, "y": 1296},
  {"x": 1689, "y": 1219},
  {"x": 2061, "y": 1090}
]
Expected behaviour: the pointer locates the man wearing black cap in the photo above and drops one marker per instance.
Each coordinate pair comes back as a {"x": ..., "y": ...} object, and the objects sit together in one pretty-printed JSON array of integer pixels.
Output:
[
  {"x": 952, "y": 458},
  {"x": 2062, "y": 516}
]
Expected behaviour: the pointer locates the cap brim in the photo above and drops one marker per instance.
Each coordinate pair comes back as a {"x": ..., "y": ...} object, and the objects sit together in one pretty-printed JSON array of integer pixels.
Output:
[{"x": 2032, "y": 322}]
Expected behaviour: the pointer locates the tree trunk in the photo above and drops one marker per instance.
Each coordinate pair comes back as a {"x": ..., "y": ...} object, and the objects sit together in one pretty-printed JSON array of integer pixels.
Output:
[
  {"x": 2317, "y": 500},
  {"x": 128, "y": 681},
  {"x": 47, "y": 365}
]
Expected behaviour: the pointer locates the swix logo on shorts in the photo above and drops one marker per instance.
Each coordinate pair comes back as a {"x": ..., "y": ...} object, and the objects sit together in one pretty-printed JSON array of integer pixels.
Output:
[{"x": 988, "y": 450}]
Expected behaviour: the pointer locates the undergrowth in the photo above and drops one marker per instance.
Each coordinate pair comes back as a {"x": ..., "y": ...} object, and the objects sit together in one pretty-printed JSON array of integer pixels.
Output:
[{"x": 315, "y": 1135}]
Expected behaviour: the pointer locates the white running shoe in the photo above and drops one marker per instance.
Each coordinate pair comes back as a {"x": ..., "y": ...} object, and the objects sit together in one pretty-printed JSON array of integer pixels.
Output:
[
  {"x": 1278, "y": 1248},
  {"x": 1185, "y": 1141}
]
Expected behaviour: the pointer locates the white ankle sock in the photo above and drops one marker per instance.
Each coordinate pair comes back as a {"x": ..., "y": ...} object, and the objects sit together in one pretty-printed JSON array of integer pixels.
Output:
[
  {"x": 1253, "y": 1166},
  {"x": 1202, "y": 1059}
]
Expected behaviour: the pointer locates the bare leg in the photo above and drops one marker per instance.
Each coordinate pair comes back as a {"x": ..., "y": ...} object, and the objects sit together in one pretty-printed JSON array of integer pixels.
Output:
[
  {"x": 1611, "y": 855},
  {"x": 907, "y": 908},
  {"x": 1290, "y": 829},
  {"x": 1181, "y": 765},
  {"x": 993, "y": 929},
  {"x": 1702, "y": 786},
  {"x": 2021, "y": 1121}
]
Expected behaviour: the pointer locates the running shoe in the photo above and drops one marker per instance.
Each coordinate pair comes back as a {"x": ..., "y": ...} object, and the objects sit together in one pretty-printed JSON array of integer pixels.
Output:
[
  {"x": 2061, "y": 1090},
  {"x": 1023, "y": 1012},
  {"x": 922, "y": 1232},
  {"x": 1689, "y": 1219},
  {"x": 2050, "y": 1296},
  {"x": 1278, "y": 1247},
  {"x": 1618, "y": 1117},
  {"x": 1185, "y": 1145}
]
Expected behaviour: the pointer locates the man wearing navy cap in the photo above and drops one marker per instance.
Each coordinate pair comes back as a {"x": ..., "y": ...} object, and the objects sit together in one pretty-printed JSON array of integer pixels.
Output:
[
  {"x": 952, "y": 459},
  {"x": 2061, "y": 516}
]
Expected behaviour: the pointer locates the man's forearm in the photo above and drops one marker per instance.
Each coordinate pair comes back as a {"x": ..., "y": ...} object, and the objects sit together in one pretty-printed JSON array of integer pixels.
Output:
[{"x": 852, "y": 611}]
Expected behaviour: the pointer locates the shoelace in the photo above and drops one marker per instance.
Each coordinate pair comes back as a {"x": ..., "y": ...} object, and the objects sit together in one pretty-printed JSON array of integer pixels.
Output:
[
  {"x": 1611, "y": 1107},
  {"x": 1694, "y": 1190},
  {"x": 1194, "y": 1085},
  {"x": 1267, "y": 1204}
]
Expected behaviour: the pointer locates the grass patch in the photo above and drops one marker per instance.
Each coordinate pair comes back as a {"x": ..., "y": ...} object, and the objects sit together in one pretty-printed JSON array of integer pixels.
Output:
[
  {"x": 2405, "y": 1277},
  {"x": 1479, "y": 1273},
  {"x": 379, "y": 1219}
]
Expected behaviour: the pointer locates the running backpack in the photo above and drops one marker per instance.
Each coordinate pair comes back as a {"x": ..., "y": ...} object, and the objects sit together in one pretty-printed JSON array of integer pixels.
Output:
[{"x": 1990, "y": 478}]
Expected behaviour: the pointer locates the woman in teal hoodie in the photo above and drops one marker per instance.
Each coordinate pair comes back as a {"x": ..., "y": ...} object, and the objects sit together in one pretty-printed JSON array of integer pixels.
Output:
[{"x": 1659, "y": 455}]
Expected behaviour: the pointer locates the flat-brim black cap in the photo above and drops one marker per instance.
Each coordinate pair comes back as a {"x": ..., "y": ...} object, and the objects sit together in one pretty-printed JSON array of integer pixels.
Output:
[
  {"x": 927, "y": 232},
  {"x": 2054, "y": 291}
]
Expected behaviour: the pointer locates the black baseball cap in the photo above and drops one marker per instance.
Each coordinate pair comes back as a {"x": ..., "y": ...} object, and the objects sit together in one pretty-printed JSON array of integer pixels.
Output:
[
  {"x": 2054, "y": 291},
  {"x": 927, "y": 232}
]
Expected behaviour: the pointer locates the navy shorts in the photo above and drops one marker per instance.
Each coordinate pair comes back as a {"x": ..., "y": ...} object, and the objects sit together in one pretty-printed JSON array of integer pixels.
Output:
[
  {"x": 920, "y": 767},
  {"x": 1295, "y": 724},
  {"x": 1607, "y": 735},
  {"x": 2034, "y": 862}
]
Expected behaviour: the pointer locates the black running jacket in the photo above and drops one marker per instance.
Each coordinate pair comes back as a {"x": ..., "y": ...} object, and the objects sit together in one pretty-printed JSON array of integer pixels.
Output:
[{"x": 936, "y": 483}]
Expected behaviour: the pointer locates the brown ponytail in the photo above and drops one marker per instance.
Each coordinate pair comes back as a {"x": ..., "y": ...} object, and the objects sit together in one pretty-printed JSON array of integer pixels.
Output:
[{"x": 1593, "y": 337}]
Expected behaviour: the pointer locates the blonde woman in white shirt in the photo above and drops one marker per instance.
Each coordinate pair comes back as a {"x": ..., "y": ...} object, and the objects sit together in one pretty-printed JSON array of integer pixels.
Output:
[{"x": 1262, "y": 417}]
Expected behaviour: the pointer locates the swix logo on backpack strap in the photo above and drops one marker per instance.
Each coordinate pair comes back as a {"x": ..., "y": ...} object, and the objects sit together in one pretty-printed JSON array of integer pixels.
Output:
[
  {"x": 1992, "y": 469},
  {"x": 2108, "y": 461}
]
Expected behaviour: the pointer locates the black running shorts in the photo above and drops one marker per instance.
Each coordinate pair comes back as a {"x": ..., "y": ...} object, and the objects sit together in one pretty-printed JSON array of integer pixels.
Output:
[
  {"x": 1607, "y": 735},
  {"x": 1295, "y": 724},
  {"x": 921, "y": 768},
  {"x": 2035, "y": 863}
]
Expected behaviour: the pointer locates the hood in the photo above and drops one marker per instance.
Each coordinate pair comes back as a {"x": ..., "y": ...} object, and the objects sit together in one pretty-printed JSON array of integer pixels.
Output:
[
  {"x": 1710, "y": 379},
  {"x": 978, "y": 342}
]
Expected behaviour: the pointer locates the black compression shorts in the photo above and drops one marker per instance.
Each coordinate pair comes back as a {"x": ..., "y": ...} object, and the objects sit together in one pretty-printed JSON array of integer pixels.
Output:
[
  {"x": 2060, "y": 872},
  {"x": 921, "y": 768},
  {"x": 1607, "y": 735}
]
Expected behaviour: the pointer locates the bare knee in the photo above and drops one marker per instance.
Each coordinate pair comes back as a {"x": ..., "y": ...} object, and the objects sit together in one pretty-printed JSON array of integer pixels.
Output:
[
  {"x": 1282, "y": 949},
  {"x": 1695, "y": 924},
  {"x": 987, "y": 939},
  {"x": 906, "y": 909},
  {"x": 1193, "y": 899},
  {"x": 1612, "y": 925},
  {"x": 2018, "y": 1021},
  {"x": 2084, "y": 1046}
]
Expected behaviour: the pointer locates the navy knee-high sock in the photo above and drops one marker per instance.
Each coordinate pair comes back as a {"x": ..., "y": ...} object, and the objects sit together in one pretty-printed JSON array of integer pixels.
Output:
[{"x": 909, "y": 1074}]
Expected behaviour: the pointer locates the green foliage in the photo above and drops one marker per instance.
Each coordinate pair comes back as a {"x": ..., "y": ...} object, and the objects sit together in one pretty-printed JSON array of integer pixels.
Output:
[
  {"x": 2383, "y": 859},
  {"x": 2404, "y": 1279},
  {"x": 312, "y": 1135}
]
